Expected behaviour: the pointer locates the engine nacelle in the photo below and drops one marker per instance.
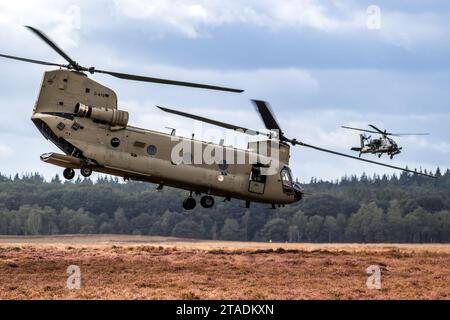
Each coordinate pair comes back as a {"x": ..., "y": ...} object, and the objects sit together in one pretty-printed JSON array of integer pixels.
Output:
[{"x": 114, "y": 117}]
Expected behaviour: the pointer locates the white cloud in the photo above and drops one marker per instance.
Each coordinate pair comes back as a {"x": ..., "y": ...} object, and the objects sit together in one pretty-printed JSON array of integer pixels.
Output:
[
  {"x": 61, "y": 20},
  {"x": 314, "y": 14},
  {"x": 426, "y": 144},
  {"x": 194, "y": 18},
  {"x": 406, "y": 30},
  {"x": 5, "y": 151},
  {"x": 191, "y": 18}
]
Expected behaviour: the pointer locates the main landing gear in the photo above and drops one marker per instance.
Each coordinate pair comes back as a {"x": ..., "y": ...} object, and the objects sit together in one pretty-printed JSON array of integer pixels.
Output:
[
  {"x": 206, "y": 202},
  {"x": 85, "y": 170},
  {"x": 69, "y": 173},
  {"x": 189, "y": 203}
]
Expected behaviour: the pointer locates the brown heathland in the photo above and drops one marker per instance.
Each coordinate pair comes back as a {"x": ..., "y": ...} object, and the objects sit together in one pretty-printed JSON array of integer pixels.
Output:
[{"x": 133, "y": 267}]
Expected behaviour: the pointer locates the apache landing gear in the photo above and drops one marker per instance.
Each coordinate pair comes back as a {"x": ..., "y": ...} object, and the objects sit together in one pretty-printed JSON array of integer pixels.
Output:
[
  {"x": 69, "y": 173},
  {"x": 207, "y": 202}
]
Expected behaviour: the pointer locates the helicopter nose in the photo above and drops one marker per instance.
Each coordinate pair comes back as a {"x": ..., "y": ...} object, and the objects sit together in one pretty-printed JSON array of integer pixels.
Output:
[{"x": 298, "y": 192}]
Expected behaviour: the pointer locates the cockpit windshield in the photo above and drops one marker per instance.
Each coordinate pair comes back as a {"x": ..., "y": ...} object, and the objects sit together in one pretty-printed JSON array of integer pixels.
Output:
[
  {"x": 289, "y": 187},
  {"x": 286, "y": 177}
]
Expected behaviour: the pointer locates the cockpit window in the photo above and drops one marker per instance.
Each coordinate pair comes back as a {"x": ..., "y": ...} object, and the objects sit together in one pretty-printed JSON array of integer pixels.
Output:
[{"x": 286, "y": 177}]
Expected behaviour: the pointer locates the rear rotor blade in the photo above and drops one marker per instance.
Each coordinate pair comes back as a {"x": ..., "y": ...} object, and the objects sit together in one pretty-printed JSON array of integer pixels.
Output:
[
  {"x": 46, "y": 39},
  {"x": 357, "y": 129},
  {"x": 409, "y": 134},
  {"x": 165, "y": 81},
  {"x": 214, "y": 122},
  {"x": 33, "y": 61},
  {"x": 267, "y": 115},
  {"x": 359, "y": 159}
]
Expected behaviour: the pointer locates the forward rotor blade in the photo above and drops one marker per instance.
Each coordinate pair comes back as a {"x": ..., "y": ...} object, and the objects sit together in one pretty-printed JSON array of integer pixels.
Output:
[
  {"x": 52, "y": 44},
  {"x": 214, "y": 122},
  {"x": 267, "y": 115},
  {"x": 379, "y": 131},
  {"x": 33, "y": 61},
  {"x": 166, "y": 81},
  {"x": 363, "y": 130},
  {"x": 359, "y": 159},
  {"x": 74, "y": 65}
]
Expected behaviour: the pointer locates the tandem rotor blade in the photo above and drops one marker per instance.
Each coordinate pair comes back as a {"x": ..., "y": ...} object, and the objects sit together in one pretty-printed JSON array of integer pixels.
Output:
[
  {"x": 295, "y": 142},
  {"x": 46, "y": 39},
  {"x": 74, "y": 65},
  {"x": 165, "y": 81},
  {"x": 214, "y": 122},
  {"x": 357, "y": 129},
  {"x": 267, "y": 115},
  {"x": 33, "y": 61}
]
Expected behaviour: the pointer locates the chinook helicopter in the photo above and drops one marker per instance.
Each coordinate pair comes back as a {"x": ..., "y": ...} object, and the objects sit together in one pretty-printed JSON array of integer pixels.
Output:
[
  {"x": 80, "y": 116},
  {"x": 383, "y": 144}
]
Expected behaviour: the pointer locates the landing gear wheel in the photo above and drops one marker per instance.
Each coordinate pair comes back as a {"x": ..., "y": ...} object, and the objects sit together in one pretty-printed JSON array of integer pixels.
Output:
[
  {"x": 207, "y": 202},
  {"x": 189, "y": 203},
  {"x": 379, "y": 156},
  {"x": 86, "y": 170},
  {"x": 69, "y": 173},
  {"x": 392, "y": 157}
]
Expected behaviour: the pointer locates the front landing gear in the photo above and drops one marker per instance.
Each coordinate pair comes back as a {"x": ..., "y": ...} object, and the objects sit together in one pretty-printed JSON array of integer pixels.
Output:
[{"x": 69, "y": 173}]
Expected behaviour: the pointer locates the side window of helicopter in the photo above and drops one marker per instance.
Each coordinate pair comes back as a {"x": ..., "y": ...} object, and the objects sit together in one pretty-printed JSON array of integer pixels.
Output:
[
  {"x": 256, "y": 175},
  {"x": 115, "y": 142},
  {"x": 152, "y": 150}
]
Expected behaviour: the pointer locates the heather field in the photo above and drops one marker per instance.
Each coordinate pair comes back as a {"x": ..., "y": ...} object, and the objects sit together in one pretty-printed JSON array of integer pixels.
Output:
[{"x": 138, "y": 267}]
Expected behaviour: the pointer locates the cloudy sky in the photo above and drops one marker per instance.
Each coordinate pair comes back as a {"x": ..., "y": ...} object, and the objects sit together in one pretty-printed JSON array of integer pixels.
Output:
[{"x": 321, "y": 64}]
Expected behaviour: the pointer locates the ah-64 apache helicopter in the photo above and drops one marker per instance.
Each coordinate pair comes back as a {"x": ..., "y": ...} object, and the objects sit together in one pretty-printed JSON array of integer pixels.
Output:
[
  {"x": 382, "y": 144},
  {"x": 80, "y": 116}
]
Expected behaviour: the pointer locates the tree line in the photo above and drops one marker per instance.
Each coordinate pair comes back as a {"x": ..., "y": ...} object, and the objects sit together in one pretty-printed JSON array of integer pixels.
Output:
[{"x": 404, "y": 208}]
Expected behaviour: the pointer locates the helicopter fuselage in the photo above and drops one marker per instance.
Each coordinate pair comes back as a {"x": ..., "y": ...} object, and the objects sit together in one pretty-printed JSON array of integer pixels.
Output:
[{"x": 101, "y": 139}]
